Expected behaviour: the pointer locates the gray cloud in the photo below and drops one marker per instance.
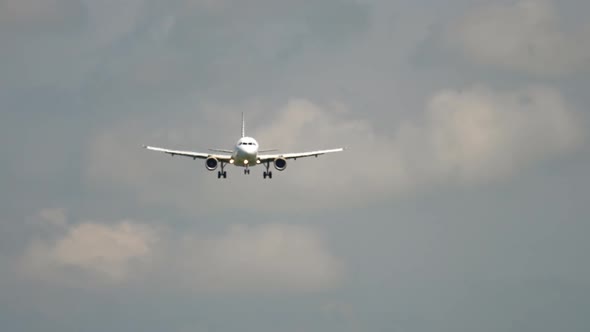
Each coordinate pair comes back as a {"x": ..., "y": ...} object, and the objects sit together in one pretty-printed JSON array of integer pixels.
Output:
[
  {"x": 39, "y": 15},
  {"x": 54, "y": 217},
  {"x": 265, "y": 258},
  {"x": 528, "y": 36}
]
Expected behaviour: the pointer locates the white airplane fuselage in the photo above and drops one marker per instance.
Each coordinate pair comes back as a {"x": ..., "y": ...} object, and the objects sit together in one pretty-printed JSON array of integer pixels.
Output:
[{"x": 245, "y": 152}]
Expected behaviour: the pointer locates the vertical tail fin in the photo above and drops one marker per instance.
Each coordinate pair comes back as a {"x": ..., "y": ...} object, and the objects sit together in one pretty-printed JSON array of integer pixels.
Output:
[{"x": 243, "y": 126}]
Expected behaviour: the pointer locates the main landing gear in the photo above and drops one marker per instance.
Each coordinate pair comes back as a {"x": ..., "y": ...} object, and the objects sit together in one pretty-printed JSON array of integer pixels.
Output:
[
  {"x": 267, "y": 173},
  {"x": 222, "y": 173}
]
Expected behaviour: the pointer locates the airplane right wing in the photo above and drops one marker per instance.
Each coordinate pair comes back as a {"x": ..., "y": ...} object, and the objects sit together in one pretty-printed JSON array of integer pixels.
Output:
[{"x": 222, "y": 150}]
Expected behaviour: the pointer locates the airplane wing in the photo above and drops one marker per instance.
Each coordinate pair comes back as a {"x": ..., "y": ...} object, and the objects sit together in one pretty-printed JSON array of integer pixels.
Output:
[
  {"x": 221, "y": 150},
  {"x": 270, "y": 157},
  {"x": 190, "y": 154}
]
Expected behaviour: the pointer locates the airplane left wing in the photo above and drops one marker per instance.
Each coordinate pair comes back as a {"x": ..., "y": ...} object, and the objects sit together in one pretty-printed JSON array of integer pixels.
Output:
[
  {"x": 270, "y": 157},
  {"x": 190, "y": 154}
]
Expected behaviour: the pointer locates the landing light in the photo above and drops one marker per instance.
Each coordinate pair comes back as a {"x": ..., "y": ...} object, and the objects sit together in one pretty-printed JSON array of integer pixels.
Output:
[
  {"x": 231, "y": 161},
  {"x": 245, "y": 162},
  {"x": 258, "y": 161}
]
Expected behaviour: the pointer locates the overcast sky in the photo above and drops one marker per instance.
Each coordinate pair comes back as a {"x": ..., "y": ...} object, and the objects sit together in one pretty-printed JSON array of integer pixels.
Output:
[{"x": 460, "y": 205}]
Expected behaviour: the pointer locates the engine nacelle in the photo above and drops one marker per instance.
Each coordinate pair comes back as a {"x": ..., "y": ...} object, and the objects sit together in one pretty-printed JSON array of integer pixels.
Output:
[
  {"x": 211, "y": 163},
  {"x": 280, "y": 164}
]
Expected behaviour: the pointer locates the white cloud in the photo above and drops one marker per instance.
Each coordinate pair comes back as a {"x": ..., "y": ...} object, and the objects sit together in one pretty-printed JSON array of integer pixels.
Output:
[
  {"x": 105, "y": 252},
  {"x": 524, "y": 35},
  {"x": 269, "y": 257},
  {"x": 302, "y": 126},
  {"x": 478, "y": 134}
]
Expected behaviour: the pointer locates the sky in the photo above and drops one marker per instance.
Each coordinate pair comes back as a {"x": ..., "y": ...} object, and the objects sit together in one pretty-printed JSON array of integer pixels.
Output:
[{"x": 460, "y": 204}]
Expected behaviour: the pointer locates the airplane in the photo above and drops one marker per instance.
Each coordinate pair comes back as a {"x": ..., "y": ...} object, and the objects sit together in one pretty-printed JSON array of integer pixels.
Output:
[{"x": 245, "y": 154}]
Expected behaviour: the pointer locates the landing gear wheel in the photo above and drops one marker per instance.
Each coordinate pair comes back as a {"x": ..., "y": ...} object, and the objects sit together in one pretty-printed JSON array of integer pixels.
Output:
[
  {"x": 222, "y": 173},
  {"x": 270, "y": 175},
  {"x": 264, "y": 175}
]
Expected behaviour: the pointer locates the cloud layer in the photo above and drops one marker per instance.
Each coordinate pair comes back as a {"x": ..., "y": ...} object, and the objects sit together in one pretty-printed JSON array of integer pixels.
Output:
[
  {"x": 459, "y": 205},
  {"x": 525, "y": 35},
  {"x": 470, "y": 136}
]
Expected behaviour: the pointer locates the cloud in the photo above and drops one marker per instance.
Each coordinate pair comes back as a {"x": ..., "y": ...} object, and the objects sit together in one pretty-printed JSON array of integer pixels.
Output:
[
  {"x": 478, "y": 134},
  {"x": 469, "y": 135},
  {"x": 105, "y": 252},
  {"x": 111, "y": 20},
  {"x": 526, "y": 35},
  {"x": 26, "y": 14},
  {"x": 464, "y": 136},
  {"x": 269, "y": 257},
  {"x": 55, "y": 217}
]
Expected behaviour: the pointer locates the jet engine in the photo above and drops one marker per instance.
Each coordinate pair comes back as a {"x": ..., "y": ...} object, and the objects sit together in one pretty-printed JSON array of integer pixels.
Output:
[
  {"x": 211, "y": 163},
  {"x": 280, "y": 164}
]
